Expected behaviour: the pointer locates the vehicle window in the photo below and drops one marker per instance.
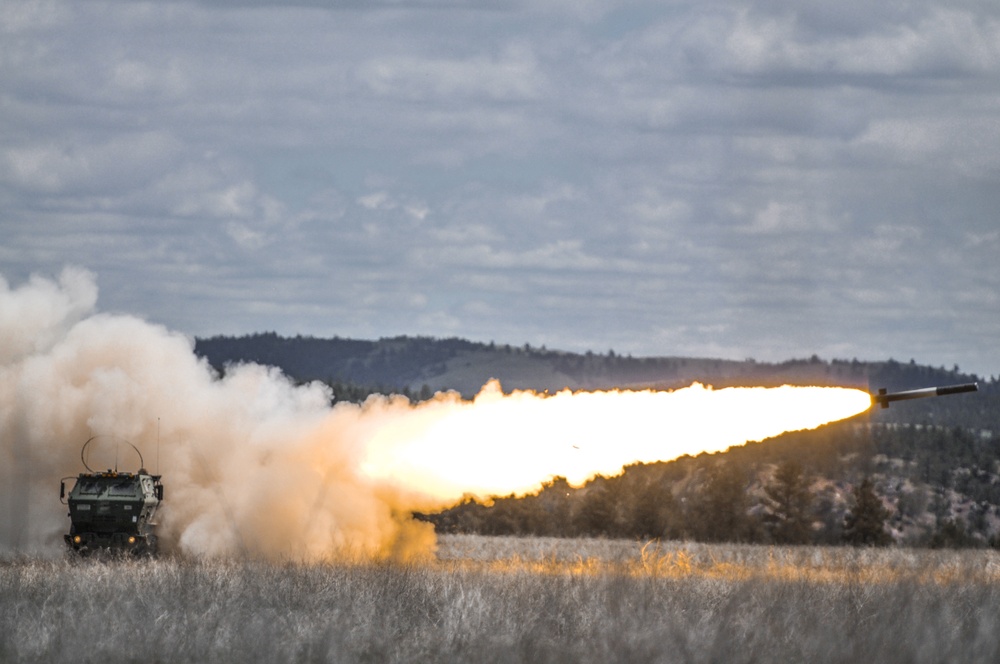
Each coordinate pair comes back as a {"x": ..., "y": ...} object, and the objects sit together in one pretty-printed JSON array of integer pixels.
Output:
[
  {"x": 90, "y": 487},
  {"x": 125, "y": 488}
]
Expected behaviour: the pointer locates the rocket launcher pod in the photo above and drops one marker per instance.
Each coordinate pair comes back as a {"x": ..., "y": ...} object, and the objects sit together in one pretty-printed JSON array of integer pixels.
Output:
[{"x": 884, "y": 398}]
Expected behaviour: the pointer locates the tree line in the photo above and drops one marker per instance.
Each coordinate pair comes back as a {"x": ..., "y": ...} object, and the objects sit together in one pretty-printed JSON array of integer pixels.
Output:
[{"x": 719, "y": 511}]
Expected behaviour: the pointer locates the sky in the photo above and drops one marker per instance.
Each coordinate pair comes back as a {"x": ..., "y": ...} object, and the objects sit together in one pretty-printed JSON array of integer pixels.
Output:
[{"x": 762, "y": 179}]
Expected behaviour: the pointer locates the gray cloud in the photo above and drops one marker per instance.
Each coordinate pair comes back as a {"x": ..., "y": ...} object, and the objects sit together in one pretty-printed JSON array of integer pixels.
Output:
[{"x": 763, "y": 179}]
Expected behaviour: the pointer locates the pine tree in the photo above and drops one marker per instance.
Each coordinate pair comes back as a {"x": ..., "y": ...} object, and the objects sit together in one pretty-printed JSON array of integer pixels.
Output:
[
  {"x": 790, "y": 503},
  {"x": 648, "y": 505},
  {"x": 719, "y": 512},
  {"x": 864, "y": 525},
  {"x": 596, "y": 516}
]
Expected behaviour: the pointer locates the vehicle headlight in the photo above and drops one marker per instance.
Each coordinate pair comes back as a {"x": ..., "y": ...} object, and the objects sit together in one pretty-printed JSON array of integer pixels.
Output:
[
  {"x": 131, "y": 540},
  {"x": 77, "y": 539}
]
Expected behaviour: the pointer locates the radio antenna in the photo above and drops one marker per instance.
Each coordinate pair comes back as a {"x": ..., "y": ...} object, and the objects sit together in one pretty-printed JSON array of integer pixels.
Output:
[{"x": 157, "y": 445}]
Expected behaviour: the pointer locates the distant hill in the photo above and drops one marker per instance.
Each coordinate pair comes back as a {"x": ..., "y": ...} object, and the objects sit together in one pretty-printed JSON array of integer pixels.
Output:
[{"x": 465, "y": 366}]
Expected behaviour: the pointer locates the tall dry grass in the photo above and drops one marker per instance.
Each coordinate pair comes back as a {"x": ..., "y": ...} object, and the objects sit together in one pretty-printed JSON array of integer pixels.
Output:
[{"x": 514, "y": 600}]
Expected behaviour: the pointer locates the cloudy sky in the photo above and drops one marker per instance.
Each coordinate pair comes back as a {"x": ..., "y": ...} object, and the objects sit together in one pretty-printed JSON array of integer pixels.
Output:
[{"x": 766, "y": 179}]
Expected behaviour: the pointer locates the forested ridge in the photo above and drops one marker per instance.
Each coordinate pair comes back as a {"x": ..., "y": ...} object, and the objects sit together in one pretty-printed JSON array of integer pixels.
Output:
[{"x": 924, "y": 472}]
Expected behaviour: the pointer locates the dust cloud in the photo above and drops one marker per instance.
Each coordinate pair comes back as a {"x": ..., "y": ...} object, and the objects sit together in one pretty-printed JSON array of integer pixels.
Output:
[
  {"x": 255, "y": 465},
  {"x": 251, "y": 463}
]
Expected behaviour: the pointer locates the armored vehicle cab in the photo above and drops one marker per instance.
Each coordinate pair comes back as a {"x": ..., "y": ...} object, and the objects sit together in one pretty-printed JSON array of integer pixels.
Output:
[{"x": 113, "y": 511}]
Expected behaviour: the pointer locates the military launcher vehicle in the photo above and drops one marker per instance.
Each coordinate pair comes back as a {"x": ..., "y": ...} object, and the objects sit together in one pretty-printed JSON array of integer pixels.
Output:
[{"x": 112, "y": 511}]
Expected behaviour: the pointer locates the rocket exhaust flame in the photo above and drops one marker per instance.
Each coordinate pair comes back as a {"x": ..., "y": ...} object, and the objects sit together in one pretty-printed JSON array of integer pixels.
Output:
[
  {"x": 497, "y": 444},
  {"x": 258, "y": 465}
]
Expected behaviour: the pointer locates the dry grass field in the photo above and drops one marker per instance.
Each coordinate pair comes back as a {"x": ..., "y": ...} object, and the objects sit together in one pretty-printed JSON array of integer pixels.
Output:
[{"x": 514, "y": 600}]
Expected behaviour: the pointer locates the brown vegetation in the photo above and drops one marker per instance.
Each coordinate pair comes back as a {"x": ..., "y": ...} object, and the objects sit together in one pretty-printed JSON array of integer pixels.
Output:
[{"x": 512, "y": 600}]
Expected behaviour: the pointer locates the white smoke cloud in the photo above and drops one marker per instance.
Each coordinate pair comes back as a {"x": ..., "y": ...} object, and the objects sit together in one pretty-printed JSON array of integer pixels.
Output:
[
  {"x": 35, "y": 316},
  {"x": 251, "y": 462}
]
